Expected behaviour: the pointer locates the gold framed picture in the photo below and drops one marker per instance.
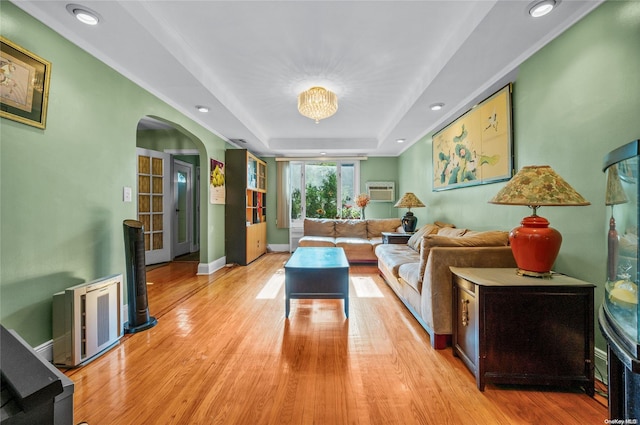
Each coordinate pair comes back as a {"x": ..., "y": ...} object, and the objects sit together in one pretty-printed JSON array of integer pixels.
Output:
[
  {"x": 24, "y": 85},
  {"x": 476, "y": 148}
]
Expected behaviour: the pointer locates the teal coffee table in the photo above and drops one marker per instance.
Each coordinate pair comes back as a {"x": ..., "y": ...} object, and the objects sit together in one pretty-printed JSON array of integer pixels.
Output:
[{"x": 317, "y": 273}]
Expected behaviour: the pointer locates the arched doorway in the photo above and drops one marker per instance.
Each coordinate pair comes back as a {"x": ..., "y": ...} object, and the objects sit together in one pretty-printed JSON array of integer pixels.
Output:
[{"x": 168, "y": 204}]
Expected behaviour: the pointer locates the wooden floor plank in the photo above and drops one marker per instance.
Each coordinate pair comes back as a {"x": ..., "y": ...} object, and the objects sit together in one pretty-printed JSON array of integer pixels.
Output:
[{"x": 223, "y": 353}]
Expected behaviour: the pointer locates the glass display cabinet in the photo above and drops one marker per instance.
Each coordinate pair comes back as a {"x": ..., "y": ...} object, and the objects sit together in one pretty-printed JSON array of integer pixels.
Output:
[{"x": 618, "y": 316}]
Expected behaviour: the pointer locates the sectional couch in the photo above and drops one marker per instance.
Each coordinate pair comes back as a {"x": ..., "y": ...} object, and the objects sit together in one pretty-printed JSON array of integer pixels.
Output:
[
  {"x": 358, "y": 238},
  {"x": 418, "y": 271}
]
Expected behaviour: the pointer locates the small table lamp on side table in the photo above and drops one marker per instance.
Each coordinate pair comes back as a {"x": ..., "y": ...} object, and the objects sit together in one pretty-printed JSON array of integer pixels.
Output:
[{"x": 409, "y": 221}]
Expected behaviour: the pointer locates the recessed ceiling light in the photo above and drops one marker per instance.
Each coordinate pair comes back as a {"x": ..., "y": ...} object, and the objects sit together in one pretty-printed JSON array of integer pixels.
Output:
[
  {"x": 202, "y": 108},
  {"x": 323, "y": 153},
  {"x": 84, "y": 14},
  {"x": 542, "y": 8},
  {"x": 437, "y": 106},
  {"x": 400, "y": 140}
]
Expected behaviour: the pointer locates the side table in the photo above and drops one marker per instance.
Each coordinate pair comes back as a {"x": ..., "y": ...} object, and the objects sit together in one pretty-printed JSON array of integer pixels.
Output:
[
  {"x": 391, "y": 237},
  {"x": 511, "y": 329}
]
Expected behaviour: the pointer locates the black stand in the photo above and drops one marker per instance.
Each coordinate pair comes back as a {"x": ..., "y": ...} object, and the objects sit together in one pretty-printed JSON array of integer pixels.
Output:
[
  {"x": 623, "y": 371},
  {"x": 139, "y": 319}
]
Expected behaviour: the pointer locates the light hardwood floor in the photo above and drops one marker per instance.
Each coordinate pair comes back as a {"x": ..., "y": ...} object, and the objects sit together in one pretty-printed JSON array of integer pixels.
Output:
[{"x": 223, "y": 353}]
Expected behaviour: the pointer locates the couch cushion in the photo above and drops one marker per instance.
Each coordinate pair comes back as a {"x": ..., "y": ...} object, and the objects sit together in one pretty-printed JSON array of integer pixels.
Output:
[
  {"x": 416, "y": 238},
  {"x": 451, "y": 232},
  {"x": 410, "y": 273},
  {"x": 351, "y": 229},
  {"x": 360, "y": 242},
  {"x": 394, "y": 255},
  {"x": 356, "y": 248},
  {"x": 319, "y": 227},
  {"x": 377, "y": 226},
  {"x": 320, "y": 241}
]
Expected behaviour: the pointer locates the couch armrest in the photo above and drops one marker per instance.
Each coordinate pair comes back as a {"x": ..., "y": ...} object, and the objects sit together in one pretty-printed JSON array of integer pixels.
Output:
[{"x": 436, "y": 296}]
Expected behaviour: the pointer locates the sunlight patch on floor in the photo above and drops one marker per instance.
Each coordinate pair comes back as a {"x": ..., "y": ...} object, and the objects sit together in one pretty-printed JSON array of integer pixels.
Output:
[
  {"x": 272, "y": 287},
  {"x": 366, "y": 287}
]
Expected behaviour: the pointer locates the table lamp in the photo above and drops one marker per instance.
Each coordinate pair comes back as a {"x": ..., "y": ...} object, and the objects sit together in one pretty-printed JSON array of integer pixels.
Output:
[
  {"x": 534, "y": 244},
  {"x": 409, "y": 221},
  {"x": 614, "y": 196}
]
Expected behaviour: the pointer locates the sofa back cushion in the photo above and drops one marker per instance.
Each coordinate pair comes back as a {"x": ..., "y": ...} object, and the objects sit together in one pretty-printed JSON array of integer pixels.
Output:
[
  {"x": 377, "y": 226},
  {"x": 475, "y": 239},
  {"x": 488, "y": 238},
  {"x": 351, "y": 229},
  {"x": 319, "y": 227}
]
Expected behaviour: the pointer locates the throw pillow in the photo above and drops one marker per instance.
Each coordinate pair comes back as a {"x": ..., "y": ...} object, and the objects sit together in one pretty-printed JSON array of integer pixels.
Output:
[
  {"x": 443, "y": 224},
  {"x": 451, "y": 232},
  {"x": 416, "y": 238}
]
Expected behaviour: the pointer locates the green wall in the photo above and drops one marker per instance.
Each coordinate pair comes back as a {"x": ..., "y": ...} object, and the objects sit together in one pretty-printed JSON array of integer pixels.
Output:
[
  {"x": 61, "y": 188},
  {"x": 573, "y": 101},
  {"x": 380, "y": 169}
]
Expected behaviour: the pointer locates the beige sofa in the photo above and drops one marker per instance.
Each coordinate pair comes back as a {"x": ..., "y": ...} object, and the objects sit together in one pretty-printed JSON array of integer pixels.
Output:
[
  {"x": 358, "y": 238},
  {"x": 418, "y": 272}
]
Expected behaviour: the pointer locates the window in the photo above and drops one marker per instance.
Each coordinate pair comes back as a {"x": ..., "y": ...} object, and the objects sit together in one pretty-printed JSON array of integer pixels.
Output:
[{"x": 323, "y": 190}]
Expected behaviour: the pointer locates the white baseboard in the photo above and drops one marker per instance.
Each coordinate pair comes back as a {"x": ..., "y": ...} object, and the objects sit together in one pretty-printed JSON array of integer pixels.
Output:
[
  {"x": 281, "y": 247},
  {"x": 209, "y": 268},
  {"x": 601, "y": 370},
  {"x": 45, "y": 350}
]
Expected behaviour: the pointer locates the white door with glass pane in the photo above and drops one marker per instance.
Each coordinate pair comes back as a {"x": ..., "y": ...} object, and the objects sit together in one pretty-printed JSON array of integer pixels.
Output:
[
  {"x": 182, "y": 198},
  {"x": 154, "y": 204}
]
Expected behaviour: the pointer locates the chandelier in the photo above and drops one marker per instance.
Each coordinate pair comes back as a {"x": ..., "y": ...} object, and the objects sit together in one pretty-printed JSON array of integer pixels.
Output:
[{"x": 317, "y": 103}]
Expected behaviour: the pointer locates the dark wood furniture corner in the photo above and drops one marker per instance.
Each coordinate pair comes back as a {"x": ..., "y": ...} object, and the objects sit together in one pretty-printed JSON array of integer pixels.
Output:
[
  {"x": 510, "y": 329},
  {"x": 399, "y": 238}
]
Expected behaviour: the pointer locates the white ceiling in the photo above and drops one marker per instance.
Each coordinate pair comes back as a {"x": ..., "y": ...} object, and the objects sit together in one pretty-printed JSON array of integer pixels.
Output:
[{"x": 387, "y": 61}]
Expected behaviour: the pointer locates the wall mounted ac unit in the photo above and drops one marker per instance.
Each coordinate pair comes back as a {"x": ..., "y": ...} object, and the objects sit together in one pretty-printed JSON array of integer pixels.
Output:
[
  {"x": 87, "y": 320},
  {"x": 381, "y": 191}
]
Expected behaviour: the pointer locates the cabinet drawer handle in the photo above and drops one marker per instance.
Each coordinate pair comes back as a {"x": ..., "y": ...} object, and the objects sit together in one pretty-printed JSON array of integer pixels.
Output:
[{"x": 465, "y": 312}]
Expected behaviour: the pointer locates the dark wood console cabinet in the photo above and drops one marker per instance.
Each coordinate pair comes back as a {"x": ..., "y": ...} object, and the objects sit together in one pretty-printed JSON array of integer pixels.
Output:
[{"x": 511, "y": 329}]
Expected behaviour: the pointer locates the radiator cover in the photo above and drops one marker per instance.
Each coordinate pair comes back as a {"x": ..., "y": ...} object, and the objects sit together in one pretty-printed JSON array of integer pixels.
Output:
[{"x": 87, "y": 320}]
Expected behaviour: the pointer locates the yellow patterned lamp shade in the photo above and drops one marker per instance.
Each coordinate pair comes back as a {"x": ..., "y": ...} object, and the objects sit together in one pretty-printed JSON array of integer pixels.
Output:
[
  {"x": 538, "y": 185},
  {"x": 409, "y": 200},
  {"x": 409, "y": 221},
  {"x": 534, "y": 244}
]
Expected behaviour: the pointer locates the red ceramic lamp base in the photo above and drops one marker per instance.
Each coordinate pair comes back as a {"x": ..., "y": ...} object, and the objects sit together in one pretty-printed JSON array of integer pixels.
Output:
[{"x": 535, "y": 246}]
